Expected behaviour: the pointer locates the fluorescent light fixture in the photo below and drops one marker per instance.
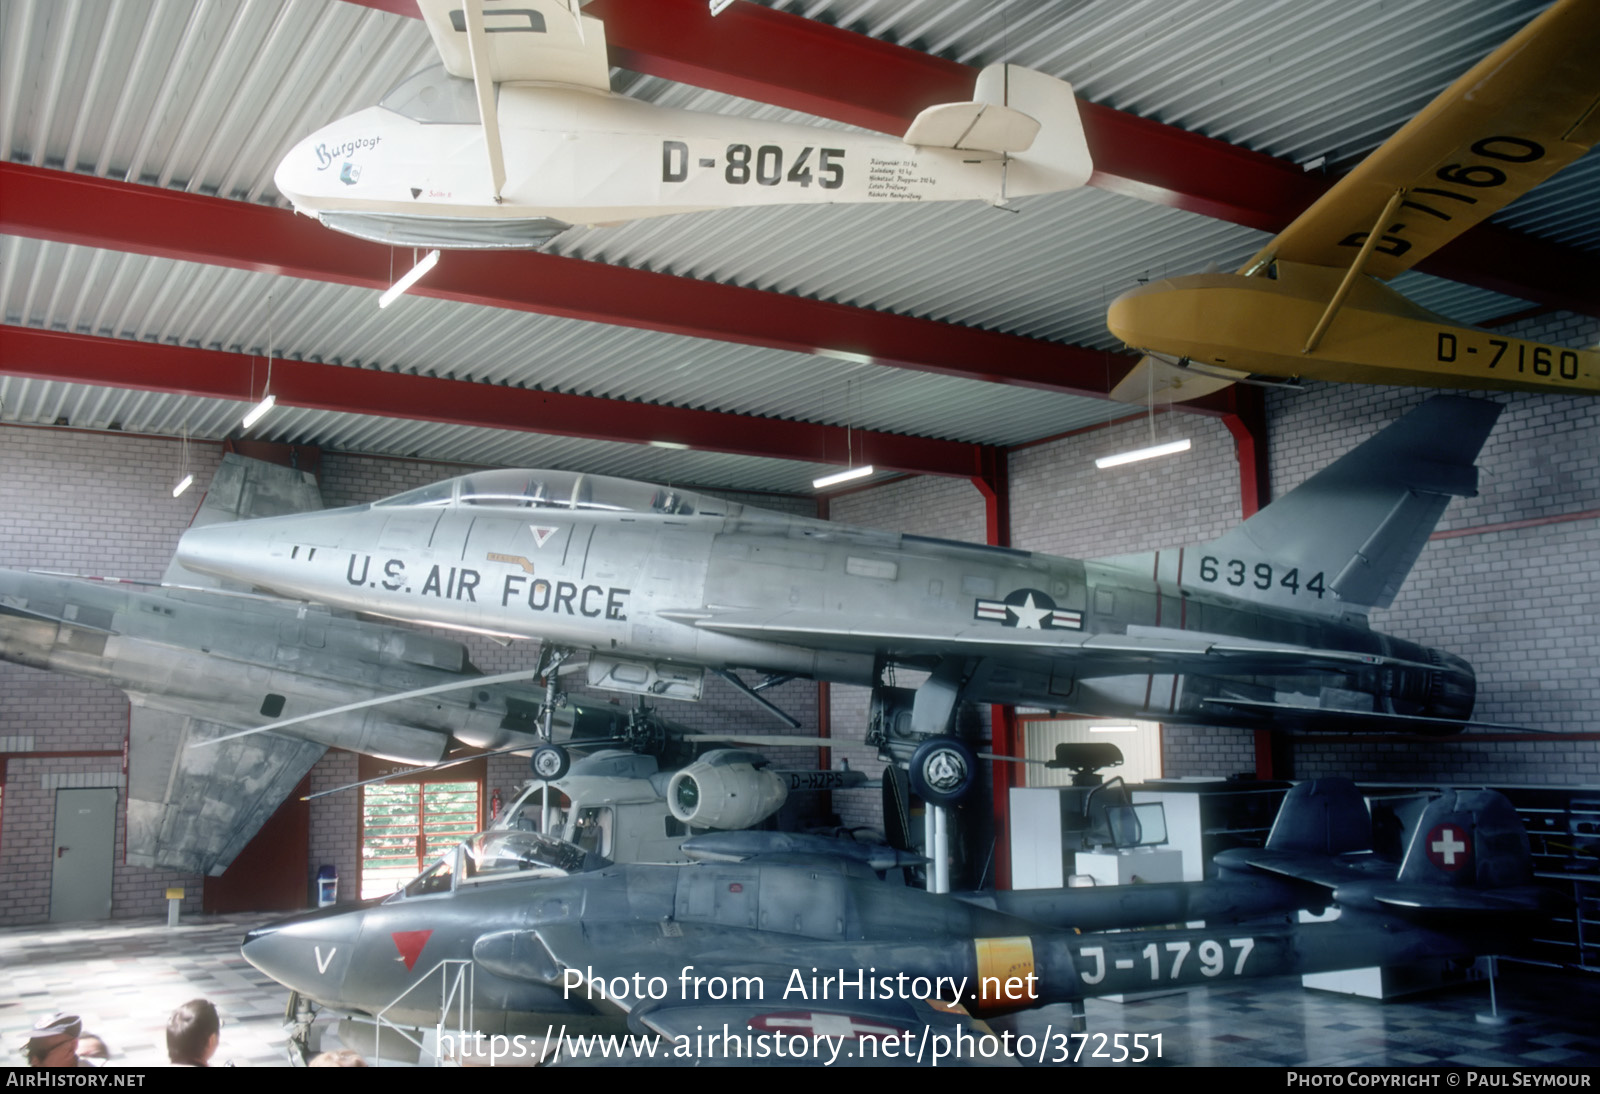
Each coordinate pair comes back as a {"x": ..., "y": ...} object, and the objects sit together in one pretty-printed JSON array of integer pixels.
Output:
[
  {"x": 675, "y": 446},
  {"x": 1142, "y": 454},
  {"x": 843, "y": 355},
  {"x": 1114, "y": 729},
  {"x": 259, "y": 411},
  {"x": 183, "y": 484},
  {"x": 847, "y": 475},
  {"x": 408, "y": 279}
]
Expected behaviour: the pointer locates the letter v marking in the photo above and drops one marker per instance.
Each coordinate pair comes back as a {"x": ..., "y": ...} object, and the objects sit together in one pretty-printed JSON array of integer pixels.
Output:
[{"x": 323, "y": 962}]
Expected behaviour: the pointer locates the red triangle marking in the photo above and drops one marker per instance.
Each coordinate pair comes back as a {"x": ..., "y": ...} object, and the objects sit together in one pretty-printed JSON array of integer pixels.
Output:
[{"x": 410, "y": 944}]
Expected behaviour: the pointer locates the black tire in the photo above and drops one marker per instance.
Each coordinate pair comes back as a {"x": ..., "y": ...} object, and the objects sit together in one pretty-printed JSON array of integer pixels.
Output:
[
  {"x": 550, "y": 762},
  {"x": 942, "y": 770}
]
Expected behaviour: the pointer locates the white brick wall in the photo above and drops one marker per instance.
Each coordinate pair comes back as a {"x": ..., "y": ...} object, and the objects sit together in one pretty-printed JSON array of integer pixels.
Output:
[{"x": 95, "y": 504}]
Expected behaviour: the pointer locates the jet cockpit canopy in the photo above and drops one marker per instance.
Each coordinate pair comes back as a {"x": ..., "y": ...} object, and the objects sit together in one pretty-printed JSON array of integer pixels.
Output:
[
  {"x": 532, "y": 489},
  {"x": 500, "y": 854}
]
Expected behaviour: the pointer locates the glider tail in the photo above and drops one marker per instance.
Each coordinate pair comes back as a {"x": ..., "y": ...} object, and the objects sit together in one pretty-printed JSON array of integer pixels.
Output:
[{"x": 1026, "y": 117}]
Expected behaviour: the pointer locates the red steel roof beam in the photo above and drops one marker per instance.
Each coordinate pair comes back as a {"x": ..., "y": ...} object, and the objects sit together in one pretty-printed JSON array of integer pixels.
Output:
[
  {"x": 216, "y": 374},
  {"x": 94, "y": 212}
]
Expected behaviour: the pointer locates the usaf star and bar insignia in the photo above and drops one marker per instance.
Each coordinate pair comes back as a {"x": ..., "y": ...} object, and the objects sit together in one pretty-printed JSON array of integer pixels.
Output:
[{"x": 1029, "y": 609}]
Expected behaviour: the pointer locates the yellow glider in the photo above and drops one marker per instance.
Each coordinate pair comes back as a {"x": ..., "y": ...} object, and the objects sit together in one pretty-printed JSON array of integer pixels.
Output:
[{"x": 1311, "y": 303}]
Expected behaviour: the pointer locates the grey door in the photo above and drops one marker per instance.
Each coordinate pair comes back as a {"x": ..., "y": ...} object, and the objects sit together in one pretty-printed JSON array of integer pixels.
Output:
[{"x": 80, "y": 882}]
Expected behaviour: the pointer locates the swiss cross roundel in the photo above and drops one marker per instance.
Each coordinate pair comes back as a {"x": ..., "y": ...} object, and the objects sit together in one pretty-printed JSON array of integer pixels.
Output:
[{"x": 1449, "y": 847}]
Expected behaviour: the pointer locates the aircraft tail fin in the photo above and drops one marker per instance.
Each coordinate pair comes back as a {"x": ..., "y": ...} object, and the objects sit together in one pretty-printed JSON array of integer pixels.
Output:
[
  {"x": 1344, "y": 540},
  {"x": 1468, "y": 839},
  {"x": 1322, "y": 817},
  {"x": 1467, "y": 858},
  {"x": 242, "y": 489},
  {"x": 1026, "y": 116}
]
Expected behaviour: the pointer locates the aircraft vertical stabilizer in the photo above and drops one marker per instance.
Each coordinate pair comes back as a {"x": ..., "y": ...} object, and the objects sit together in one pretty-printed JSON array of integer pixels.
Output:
[
  {"x": 1322, "y": 817},
  {"x": 243, "y": 489},
  {"x": 196, "y": 809},
  {"x": 1350, "y": 534},
  {"x": 1467, "y": 858},
  {"x": 1468, "y": 839}
]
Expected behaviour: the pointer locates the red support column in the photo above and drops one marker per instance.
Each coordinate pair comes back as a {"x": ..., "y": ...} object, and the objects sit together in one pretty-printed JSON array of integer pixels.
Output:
[
  {"x": 1248, "y": 424},
  {"x": 993, "y": 481},
  {"x": 824, "y": 697}
]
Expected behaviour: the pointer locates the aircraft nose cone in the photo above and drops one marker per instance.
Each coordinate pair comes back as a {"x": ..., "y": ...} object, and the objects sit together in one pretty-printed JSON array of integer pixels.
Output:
[
  {"x": 307, "y": 953},
  {"x": 216, "y": 549}
]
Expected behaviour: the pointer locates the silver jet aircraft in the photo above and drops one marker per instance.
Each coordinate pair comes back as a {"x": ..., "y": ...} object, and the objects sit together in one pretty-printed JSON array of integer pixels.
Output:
[
  {"x": 1265, "y": 626},
  {"x": 794, "y": 939},
  {"x": 211, "y": 667}
]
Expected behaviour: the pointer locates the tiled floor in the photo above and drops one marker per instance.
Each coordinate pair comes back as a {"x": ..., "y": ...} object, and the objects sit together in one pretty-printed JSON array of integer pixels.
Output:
[
  {"x": 1554, "y": 1021},
  {"x": 125, "y": 978}
]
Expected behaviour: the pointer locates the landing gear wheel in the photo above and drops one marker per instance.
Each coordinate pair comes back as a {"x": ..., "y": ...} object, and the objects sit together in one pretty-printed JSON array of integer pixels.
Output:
[
  {"x": 550, "y": 762},
  {"x": 942, "y": 770}
]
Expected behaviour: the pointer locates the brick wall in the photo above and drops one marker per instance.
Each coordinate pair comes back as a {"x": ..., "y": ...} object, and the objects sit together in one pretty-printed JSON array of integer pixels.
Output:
[
  {"x": 94, "y": 504},
  {"x": 1518, "y": 603}
]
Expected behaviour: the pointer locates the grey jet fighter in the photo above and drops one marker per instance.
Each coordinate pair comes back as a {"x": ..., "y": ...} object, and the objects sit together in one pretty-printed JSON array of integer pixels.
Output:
[
  {"x": 202, "y": 664},
  {"x": 796, "y": 940},
  {"x": 1266, "y": 626}
]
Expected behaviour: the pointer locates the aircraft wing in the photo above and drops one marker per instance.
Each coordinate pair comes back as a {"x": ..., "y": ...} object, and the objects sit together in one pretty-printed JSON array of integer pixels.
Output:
[
  {"x": 1140, "y": 650},
  {"x": 194, "y": 809},
  {"x": 1520, "y": 115},
  {"x": 1322, "y": 720},
  {"x": 1331, "y": 872}
]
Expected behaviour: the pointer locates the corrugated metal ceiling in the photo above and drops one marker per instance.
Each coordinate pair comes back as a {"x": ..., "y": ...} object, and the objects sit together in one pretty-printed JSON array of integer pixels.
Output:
[{"x": 207, "y": 95}]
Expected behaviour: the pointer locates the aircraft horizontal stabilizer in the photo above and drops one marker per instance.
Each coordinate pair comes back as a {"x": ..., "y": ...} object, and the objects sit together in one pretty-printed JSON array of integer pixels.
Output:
[
  {"x": 1467, "y": 854},
  {"x": 978, "y": 127},
  {"x": 1156, "y": 382},
  {"x": 1015, "y": 112}
]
